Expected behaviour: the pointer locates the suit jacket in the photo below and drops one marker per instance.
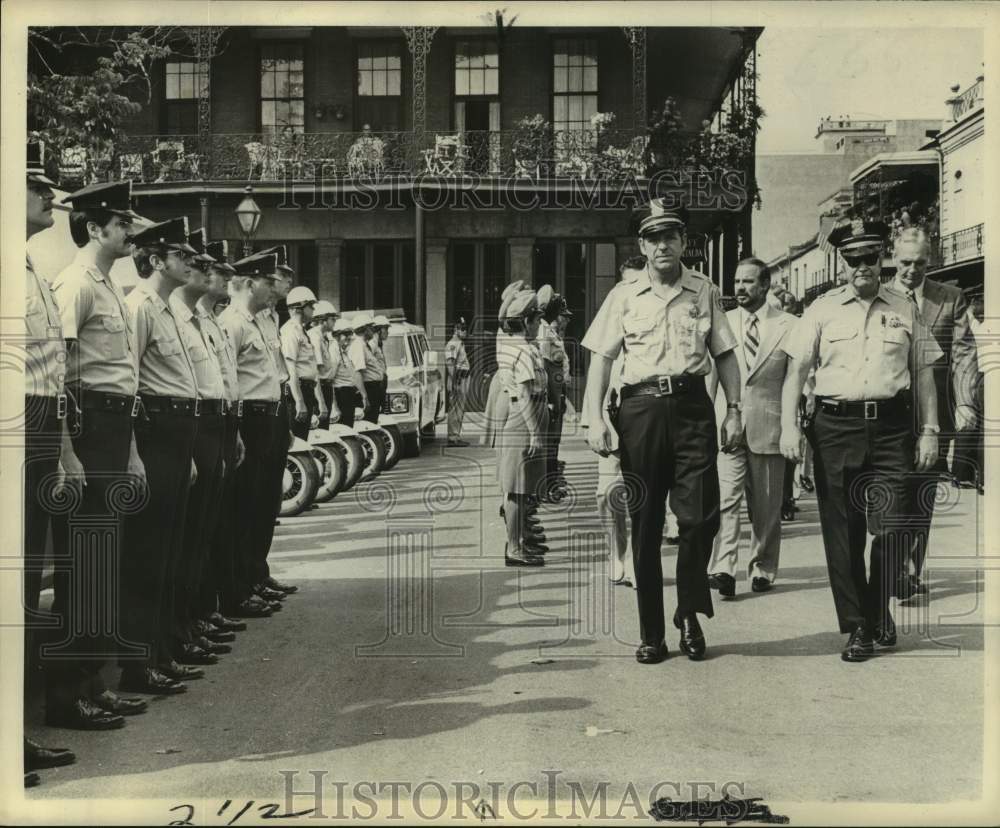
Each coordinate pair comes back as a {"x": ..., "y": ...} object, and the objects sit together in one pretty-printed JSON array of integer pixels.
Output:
[
  {"x": 761, "y": 381},
  {"x": 945, "y": 313}
]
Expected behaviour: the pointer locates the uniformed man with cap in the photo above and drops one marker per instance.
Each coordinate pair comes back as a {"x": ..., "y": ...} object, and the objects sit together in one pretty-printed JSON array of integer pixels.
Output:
[
  {"x": 48, "y": 449},
  {"x": 667, "y": 324},
  {"x": 369, "y": 362},
  {"x": 102, "y": 379},
  {"x": 324, "y": 317},
  {"x": 218, "y": 584},
  {"x": 191, "y": 628},
  {"x": 456, "y": 381},
  {"x": 380, "y": 335},
  {"x": 558, "y": 316},
  {"x": 348, "y": 386},
  {"x": 520, "y": 436},
  {"x": 553, "y": 355},
  {"x": 165, "y": 429},
  {"x": 300, "y": 359},
  {"x": 874, "y": 382},
  {"x": 260, "y": 403}
]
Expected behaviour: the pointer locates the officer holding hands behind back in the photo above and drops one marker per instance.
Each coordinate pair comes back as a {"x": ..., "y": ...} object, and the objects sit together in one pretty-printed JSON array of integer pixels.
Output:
[{"x": 667, "y": 323}]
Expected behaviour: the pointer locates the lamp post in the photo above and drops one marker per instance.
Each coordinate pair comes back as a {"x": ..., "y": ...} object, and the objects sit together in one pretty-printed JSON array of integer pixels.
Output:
[{"x": 248, "y": 215}]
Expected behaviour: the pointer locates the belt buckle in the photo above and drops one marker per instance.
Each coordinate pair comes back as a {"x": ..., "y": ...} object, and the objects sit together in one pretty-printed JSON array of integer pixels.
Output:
[
  {"x": 665, "y": 384},
  {"x": 136, "y": 404},
  {"x": 871, "y": 410},
  {"x": 61, "y": 406},
  {"x": 197, "y": 406},
  {"x": 239, "y": 408}
]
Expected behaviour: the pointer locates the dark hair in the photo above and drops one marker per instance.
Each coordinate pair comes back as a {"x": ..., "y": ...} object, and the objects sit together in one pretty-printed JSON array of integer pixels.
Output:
[
  {"x": 764, "y": 272},
  {"x": 78, "y": 220},
  {"x": 143, "y": 266}
]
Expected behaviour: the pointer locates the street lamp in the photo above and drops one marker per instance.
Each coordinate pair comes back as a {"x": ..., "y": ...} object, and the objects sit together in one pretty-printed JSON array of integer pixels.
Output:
[{"x": 248, "y": 215}]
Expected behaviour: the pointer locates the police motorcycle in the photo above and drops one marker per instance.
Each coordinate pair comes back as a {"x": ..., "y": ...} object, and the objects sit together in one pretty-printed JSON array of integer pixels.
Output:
[{"x": 301, "y": 479}]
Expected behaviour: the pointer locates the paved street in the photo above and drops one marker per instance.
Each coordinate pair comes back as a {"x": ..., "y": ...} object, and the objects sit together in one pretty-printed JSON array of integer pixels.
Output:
[{"x": 411, "y": 653}]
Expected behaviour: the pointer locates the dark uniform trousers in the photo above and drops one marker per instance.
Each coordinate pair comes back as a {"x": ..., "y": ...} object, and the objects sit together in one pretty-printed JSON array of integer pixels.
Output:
[
  {"x": 89, "y": 551},
  {"x": 202, "y": 516},
  {"x": 326, "y": 389},
  {"x": 275, "y": 480},
  {"x": 920, "y": 492},
  {"x": 859, "y": 473},
  {"x": 669, "y": 445},
  {"x": 151, "y": 566},
  {"x": 301, "y": 429},
  {"x": 218, "y": 584},
  {"x": 347, "y": 401},
  {"x": 252, "y": 491},
  {"x": 553, "y": 433},
  {"x": 376, "y": 394}
]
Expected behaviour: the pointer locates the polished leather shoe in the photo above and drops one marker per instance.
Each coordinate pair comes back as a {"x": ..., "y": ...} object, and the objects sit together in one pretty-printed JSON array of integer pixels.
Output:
[
  {"x": 269, "y": 594},
  {"x": 82, "y": 714},
  {"x": 181, "y": 672},
  {"x": 859, "y": 646},
  {"x": 114, "y": 703},
  {"x": 724, "y": 583},
  {"x": 761, "y": 584},
  {"x": 193, "y": 654},
  {"x": 788, "y": 513},
  {"x": 521, "y": 557},
  {"x": 885, "y": 634},
  {"x": 651, "y": 654},
  {"x": 150, "y": 680},
  {"x": 806, "y": 484},
  {"x": 32, "y": 780},
  {"x": 274, "y": 583},
  {"x": 251, "y": 608},
  {"x": 201, "y": 626},
  {"x": 218, "y": 636},
  {"x": 212, "y": 647},
  {"x": 274, "y": 606},
  {"x": 692, "y": 638},
  {"x": 532, "y": 548},
  {"x": 37, "y": 757},
  {"x": 457, "y": 443},
  {"x": 223, "y": 623}
]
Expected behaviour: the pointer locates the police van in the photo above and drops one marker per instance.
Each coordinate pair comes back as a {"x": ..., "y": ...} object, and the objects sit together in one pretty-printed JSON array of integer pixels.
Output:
[{"x": 415, "y": 393}]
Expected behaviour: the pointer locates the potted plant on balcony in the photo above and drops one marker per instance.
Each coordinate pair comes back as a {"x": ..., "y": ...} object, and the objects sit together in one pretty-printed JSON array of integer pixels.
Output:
[{"x": 529, "y": 144}]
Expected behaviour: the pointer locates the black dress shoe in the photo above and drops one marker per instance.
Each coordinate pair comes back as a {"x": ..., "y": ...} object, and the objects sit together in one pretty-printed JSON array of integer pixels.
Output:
[
  {"x": 201, "y": 626},
  {"x": 114, "y": 703},
  {"x": 885, "y": 633},
  {"x": 37, "y": 757},
  {"x": 220, "y": 636},
  {"x": 521, "y": 557},
  {"x": 149, "y": 680},
  {"x": 859, "y": 645},
  {"x": 82, "y": 714},
  {"x": 274, "y": 583},
  {"x": 457, "y": 443},
  {"x": 761, "y": 584},
  {"x": 806, "y": 483},
  {"x": 532, "y": 548},
  {"x": 651, "y": 654},
  {"x": 181, "y": 672},
  {"x": 251, "y": 608},
  {"x": 193, "y": 654},
  {"x": 788, "y": 512},
  {"x": 724, "y": 583},
  {"x": 905, "y": 586},
  {"x": 223, "y": 623},
  {"x": 269, "y": 594},
  {"x": 32, "y": 780},
  {"x": 212, "y": 647},
  {"x": 692, "y": 638}
]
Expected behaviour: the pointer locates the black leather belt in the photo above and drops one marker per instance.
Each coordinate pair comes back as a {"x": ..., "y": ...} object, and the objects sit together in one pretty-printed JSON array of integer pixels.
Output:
[
  {"x": 212, "y": 408},
  {"x": 663, "y": 386},
  {"x": 232, "y": 409},
  {"x": 259, "y": 408},
  {"x": 186, "y": 406},
  {"x": 326, "y": 383},
  {"x": 59, "y": 402},
  {"x": 107, "y": 401},
  {"x": 866, "y": 409}
]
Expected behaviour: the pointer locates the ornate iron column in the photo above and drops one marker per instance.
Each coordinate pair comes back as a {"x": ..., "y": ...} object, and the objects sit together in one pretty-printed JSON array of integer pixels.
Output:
[
  {"x": 636, "y": 36},
  {"x": 205, "y": 39},
  {"x": 418, "y": 39}
]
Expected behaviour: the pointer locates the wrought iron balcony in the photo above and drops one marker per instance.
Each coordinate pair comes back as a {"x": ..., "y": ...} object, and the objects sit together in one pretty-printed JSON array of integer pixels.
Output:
[
  {"x": 962, "y": 246},
  {"x": 970, "y": 99},
  {"x": 605, "y": 154}
]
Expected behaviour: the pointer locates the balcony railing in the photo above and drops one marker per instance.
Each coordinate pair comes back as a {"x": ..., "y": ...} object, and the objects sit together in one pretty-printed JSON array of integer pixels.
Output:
[
  {"x": 970, "y": 99},
  {"x": 588, "y": 154},
  {"x": 962, "y": 246}
]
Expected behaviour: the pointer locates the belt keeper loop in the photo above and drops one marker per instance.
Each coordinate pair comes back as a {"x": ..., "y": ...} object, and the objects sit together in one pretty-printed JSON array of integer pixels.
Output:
[
  {"x": 871, "y": 410},
  {"x": 136, "y": 405},
  {"x": 197, "y": 406},
  {"x": 61, "y": 406},
  {"x": 239, "y": 408}
]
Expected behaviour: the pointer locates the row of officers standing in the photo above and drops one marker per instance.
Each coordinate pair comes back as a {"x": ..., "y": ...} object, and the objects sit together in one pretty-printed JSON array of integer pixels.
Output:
[
  {"x": 156, "y": 430},
  {"x": 869, "y": 374}
]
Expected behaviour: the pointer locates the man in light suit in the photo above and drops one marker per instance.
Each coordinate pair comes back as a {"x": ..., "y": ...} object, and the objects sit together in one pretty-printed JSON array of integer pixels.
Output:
[
  {"x": 755, "y": 467},
  {"x": 944, "y": 310}
]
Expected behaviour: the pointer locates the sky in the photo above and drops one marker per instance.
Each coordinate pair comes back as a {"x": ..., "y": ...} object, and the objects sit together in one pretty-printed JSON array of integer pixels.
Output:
[{"x": 806, "y": 74}]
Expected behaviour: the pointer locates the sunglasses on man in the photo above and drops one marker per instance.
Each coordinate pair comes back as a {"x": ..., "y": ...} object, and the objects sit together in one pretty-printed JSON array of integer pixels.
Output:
[{"x": 866, "y": 259}]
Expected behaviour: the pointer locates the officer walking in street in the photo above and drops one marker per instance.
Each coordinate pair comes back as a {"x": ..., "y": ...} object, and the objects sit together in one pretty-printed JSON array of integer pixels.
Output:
[
  {"x": 456, "y": 382},
  {"x": 300, "y": 360},
  {"x": 874, "y": 382},
  {"x": 102, "y": 379},
  {"x": 667, "y": 324}
]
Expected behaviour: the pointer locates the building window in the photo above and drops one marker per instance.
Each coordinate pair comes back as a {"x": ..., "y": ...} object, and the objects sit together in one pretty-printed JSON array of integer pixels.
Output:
[
  {"x": 477, "y": 68},
  {"x": 379, "y": 85},
  {"x": 282, "y": 89},
  {"x": 477, "y": 103},
  {"x": 183, "y": 84},
  {"x": 379, "y": 275},
  {"x": 478, "y": 271},
  {"x": 574, "y": 83}
]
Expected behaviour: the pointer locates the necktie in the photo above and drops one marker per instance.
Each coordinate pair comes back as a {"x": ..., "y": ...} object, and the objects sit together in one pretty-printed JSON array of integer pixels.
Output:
[{"x": 751, "y": 340}]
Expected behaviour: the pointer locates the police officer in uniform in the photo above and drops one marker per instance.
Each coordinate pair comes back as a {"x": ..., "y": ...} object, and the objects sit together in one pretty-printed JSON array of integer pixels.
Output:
[
  {"x": 375, "y": 374},
  {"x": 165, "y": 434},
  {"x": 456, "y": 382},
  {"x": 874, "y": 378},
  {"x": 549, "y": 345},
  {"x": 324, "y": 317},
  {"x": 667, "y": 324},
  {"x": 48, "y": 450},
  {"x": 367, "y": 364},
  {"x": 102, "y": 379},
  {"x": 300, "y": 360},
  {"x": 381, "y": 335},
  {"x": 347, "y": 383},
  {"x": 218, "y": 583},
  {"x": 260, "y": 401}
]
